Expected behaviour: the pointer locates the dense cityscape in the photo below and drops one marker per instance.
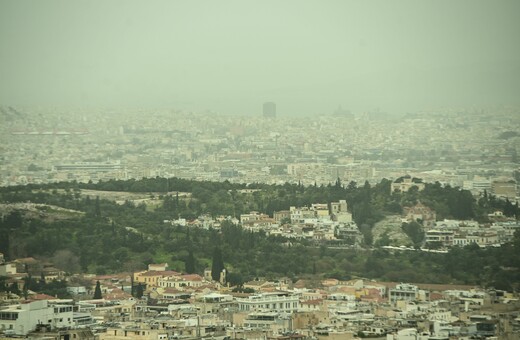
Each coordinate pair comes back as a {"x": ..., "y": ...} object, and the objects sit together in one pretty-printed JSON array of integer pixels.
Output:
[
  {"x": 468, "y": 148},
  {"x": 259, "y": 170},
  {"x": 199, "y": 295}
]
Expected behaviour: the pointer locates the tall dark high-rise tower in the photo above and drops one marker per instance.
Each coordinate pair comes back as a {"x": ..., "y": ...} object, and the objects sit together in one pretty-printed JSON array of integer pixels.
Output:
[{"x": 269, "y": 110}]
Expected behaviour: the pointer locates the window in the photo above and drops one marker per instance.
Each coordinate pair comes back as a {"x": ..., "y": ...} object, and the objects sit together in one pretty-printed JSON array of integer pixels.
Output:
[{"x": 8, "y": 316}]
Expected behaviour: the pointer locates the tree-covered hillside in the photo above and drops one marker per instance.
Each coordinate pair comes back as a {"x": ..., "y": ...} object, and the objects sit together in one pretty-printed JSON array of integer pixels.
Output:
[{"x": 110, "y": 237}]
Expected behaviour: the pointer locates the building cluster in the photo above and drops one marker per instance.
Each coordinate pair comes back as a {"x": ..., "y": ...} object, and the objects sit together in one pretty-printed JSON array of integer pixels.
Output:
[
  {"x": 319, "y": 222},
  {"x": 332, "y": 223},
  {"x": 173, "y": 305},
  {"x": 471, "y": 149},
  {"x": 450, "y": 233}
]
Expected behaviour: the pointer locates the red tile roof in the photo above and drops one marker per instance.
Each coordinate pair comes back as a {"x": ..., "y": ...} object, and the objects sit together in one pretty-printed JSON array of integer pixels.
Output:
[
  {"x": 192, "y": 277},
  {"x": 160, "y": 273},
  {"x": 117, "y": 294},
  {"x": 38, "y": 297}
]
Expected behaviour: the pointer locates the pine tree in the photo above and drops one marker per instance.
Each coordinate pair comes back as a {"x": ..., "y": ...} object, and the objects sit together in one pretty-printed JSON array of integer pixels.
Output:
[{"x": 97, "y": 291}]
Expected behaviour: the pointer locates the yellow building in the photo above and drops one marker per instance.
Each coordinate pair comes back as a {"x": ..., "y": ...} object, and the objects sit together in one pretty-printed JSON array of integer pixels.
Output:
[{"x": 151, "y": 277}]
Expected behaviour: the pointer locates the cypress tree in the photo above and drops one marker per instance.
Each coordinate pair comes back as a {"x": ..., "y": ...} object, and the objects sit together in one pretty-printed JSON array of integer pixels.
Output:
[
  {"x": 190, "y": 263},
  {"x": 97, "y": 291},
  {"x": 217, "y": 264},
  {"x": 139, "y": 291},
  {"x": 97, "y": 209}
]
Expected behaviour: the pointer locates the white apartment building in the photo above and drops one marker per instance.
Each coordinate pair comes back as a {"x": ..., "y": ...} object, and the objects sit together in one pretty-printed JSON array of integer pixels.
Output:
[
  {"x": 299, "y": 215},
  {"x": 267, "y": 320},
  {"x": 7, "y": 269},
  {"x": 445, "y": 237},
  {"x": 274, "y": 302},
  {"x": 24, "y": 318},
  {"x": 406, "y": 292}
]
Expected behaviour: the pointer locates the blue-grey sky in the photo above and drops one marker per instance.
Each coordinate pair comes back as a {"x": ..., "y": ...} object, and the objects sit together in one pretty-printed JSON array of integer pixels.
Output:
[{"x": 231, "y": 56}]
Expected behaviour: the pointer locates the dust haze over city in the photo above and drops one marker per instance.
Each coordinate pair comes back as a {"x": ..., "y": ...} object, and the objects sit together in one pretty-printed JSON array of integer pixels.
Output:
[
  {"x": 229, "y": 56},
  {"x": 259, "y": 169}
]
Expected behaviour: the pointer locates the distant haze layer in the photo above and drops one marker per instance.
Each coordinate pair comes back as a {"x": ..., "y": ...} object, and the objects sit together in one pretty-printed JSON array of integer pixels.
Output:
[{"x": 231, "y": 56}]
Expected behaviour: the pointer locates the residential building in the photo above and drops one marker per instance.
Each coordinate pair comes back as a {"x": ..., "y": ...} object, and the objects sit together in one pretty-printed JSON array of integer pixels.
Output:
[
  {"x": 272, "y": 321},
  {"x": 299, "y": 215},
  {"x": 442, "y": 237},
  {"x": 8, "y": 268},
  {"x": 339, "y": 212},
  {"x": 276, "y": 302},
  {"x": 253, "y": 216},
  {"x": 405, "y": 292},
  {"x": 281, "y": 215},
  {"x": 151, "y": 277},
  {"x": 24, "y": 318},
  {"x": 181, "y": 281}
]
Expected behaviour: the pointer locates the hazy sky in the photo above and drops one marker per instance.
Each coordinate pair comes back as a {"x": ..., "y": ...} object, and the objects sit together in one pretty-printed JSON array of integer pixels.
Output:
[{"x": 231, "y": 56}]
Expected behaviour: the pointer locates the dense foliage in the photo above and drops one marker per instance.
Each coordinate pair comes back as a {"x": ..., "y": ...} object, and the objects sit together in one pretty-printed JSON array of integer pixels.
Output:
[
  {"x": 111, "y": 237},
  {"x": 52, "y": 288}
]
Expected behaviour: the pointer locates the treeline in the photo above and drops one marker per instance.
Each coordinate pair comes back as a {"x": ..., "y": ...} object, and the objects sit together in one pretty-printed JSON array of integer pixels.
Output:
[{"x": 368, "y": 203}]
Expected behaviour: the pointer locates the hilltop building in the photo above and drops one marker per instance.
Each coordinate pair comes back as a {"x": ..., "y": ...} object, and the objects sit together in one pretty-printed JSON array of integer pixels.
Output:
[
  {"x": 405, "y": 183},
  {"x": 422, "y": 213},
  {"x": 339, "y": 213}
]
